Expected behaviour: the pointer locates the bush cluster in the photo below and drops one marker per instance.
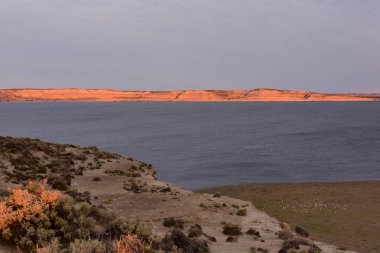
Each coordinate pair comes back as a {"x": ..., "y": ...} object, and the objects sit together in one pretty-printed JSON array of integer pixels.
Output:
[
  {"x": 38, "y": 219},
  {"x": 232, "y": 229},
  {"x": 34, "y": 215}
]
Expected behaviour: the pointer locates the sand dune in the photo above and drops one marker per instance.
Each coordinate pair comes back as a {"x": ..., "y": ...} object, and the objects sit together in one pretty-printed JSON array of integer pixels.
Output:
[{"x": 257, "y": 95}]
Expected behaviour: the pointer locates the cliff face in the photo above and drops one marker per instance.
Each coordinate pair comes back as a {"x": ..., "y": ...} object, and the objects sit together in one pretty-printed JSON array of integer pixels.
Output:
[{"x": 258, "y": 95}]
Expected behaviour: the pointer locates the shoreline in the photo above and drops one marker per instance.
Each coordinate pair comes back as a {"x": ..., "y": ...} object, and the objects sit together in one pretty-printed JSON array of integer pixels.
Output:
[
  {"x": 103, "y": 95},
  {"x": 127, "y": 188},
  {"x": 290, "y": 184}
]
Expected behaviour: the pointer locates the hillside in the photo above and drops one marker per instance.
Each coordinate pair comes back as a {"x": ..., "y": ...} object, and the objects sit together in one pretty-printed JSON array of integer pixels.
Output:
[
  {"x": 257, "y": 95},
  {"x": 123, "y": 187}
]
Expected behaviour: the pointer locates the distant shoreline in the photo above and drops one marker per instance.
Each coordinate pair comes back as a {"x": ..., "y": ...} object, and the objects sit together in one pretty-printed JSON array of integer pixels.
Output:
[{"x": 107, "y": 95}]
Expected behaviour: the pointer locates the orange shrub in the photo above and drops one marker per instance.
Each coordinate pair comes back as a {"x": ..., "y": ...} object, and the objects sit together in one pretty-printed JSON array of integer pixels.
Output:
[
  {"x": 128, "y": 243},
  {"x": 24, "y": 204}
]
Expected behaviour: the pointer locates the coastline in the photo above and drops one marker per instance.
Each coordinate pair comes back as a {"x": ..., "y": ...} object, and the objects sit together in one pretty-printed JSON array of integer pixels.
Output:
[
  {"x": 128, "y": 188},
  {"x": 256, "y": 95}
]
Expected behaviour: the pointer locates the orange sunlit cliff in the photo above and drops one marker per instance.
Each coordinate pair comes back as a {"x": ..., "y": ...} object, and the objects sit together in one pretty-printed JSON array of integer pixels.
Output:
[{"x": 259, "y": 95}]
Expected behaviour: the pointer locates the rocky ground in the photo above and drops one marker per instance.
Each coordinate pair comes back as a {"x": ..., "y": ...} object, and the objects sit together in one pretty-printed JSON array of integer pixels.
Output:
[{"x": 127, "y": 187}]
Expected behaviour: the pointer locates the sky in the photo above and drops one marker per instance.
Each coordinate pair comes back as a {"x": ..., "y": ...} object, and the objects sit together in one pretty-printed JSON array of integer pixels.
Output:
[{"x": 317, "y": 45}]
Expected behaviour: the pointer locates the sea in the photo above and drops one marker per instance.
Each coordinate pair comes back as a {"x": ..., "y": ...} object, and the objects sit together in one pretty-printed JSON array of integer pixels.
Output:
[{"x": 198, "y": 145}]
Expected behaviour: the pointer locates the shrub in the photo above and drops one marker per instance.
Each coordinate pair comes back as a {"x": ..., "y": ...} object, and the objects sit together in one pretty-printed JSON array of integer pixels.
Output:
[
  {"x": 33, "y": 216},
  {"x": 241, "y": 212},
  {"x": 128, "y": 243},
  {"x": 217, "y": 195},
  {"x": 172, "y": 222},
  {"x": 252, "y": 231},
  {"x": 79, "y": 196},
  {"x": 195, "y": 231},
  {"x": 297, "y": 242},
  {"x": 232, "y": 239},
  {"x": 52, "y": 247},
  {"x": 285, "y": 235},
  {"x": 61, "y": 182},
  {"x": 185, "y": 244},
  {"x": 25, "y": 215},
  {"x": 105, "y": 155},
  {"x": 231, "y": 229},
  {"x": 301, "y": 231},
  {"x": 87, "y": 246},
  {"x": 120, "y": 227},
  {"x": 96, "y": 179}
]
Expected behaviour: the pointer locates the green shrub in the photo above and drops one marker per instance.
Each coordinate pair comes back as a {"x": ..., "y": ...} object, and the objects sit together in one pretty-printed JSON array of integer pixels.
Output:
[
  {"x": 297, "y": 242},
  {"x": 172, "y": 222},
  {"x": 177, "y": 239},
  {"x": 231, "y": 229},
  {"x": 122, "y": 226},
  {"x": 60, "y": 182},
  {"x": 80, "y": 196},
  {"x": 241, "y": 212},
  {"x": 285, "y": 235},
  {"x": 105, "y": 155},
  {"x": 87, "y": 246}
]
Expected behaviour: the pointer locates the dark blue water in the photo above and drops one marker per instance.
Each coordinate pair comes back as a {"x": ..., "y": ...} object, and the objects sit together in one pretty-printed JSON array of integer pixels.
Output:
[{"x": 206, "y": 144}]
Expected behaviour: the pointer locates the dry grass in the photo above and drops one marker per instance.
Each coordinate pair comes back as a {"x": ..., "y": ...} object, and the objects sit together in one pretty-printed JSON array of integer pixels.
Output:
[{"x": 345, "y": 214}]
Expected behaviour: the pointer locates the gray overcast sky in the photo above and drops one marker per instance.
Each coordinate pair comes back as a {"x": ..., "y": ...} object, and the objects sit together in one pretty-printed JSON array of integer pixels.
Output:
[{"x": 320, "y": 45}]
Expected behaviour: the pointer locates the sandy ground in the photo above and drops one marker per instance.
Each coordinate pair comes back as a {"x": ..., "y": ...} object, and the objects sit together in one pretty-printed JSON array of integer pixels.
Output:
[{"x": 193, "y": 208}]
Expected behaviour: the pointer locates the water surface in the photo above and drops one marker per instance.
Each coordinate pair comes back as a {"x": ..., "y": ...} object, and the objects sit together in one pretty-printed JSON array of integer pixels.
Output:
[{"x": 207, "y": 144}]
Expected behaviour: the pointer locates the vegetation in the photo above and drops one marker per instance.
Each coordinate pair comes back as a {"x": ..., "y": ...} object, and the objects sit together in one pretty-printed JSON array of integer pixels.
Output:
[
  {"x": 33, "y": 216},
  {"x": 172, "y": 222},
  {"x": 33, "y": 159},
  {"x": 294, "y": 244},
  {"x": 231, "y": 229},
  {"x": 44, "y": 214},
  {"x": 177, "y": 239},
  {"x": 42, "y": 220},
  {"x": 241, "y": 212},
  {"x": 128, "y": 243},
  {"x": 327, "y": 211},
  {"x": 105, "y": 155}
]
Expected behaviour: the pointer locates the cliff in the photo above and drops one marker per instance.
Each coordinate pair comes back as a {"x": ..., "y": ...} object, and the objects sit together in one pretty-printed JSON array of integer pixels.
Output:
[{"x": 106, "y": 95}]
